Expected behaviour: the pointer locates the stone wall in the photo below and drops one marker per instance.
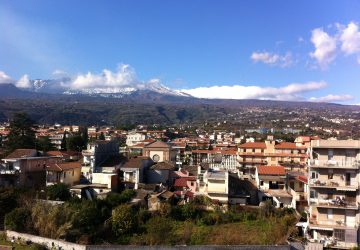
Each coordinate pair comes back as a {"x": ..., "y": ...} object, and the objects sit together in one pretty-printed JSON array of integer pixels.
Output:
[{"x": 59, "y": 244}]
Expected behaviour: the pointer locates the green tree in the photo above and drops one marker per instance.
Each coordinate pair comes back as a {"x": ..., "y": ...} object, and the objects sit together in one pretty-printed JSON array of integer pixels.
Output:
[
  {"x": 102, "y": 136},
  {"x": 44, "y": 144},
  {"x": 75, "y": 142},
  {"x": 22, "y": 134},
  {"x": 58, "y": 192},
  {"x": 64, "y": 142},
  {"x": 123, "y": 220},
  {"x": 84, "y": 135}
]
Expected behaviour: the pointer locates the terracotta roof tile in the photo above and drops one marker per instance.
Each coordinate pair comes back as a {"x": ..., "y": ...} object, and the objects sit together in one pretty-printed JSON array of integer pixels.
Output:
[
  {"x": 301, "y": 178},
  {"x": 182, "y": 182},
  {"x": 287, "y": 145},
  {"x": 22, "y": 153},
  {"x": 271, "y": 170},
  {"x": 59, "y": 167},
  {"x": 253, "y": 145}
]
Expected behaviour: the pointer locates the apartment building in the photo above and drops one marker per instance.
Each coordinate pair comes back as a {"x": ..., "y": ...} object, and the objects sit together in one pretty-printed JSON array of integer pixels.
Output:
[
  {"x": 334, "y": 192},
  {"x": 287, "y": 154},
  {"x": 216, "y": 159},
  {"x": 215, "y": 184}
]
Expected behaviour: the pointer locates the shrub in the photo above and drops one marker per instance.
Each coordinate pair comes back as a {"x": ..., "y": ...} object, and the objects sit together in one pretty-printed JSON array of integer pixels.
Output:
[
  {"x": 58, "y": 192},
  {"x": 123, "y": 221},
  {"x": 115, "y": 199},
  {"x": 159, "y": 231},
  {"x": 18, "y": 219}
]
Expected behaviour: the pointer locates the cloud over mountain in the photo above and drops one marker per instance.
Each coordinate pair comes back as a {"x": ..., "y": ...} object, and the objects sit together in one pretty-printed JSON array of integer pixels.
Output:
[
  {"x": 4, "y": 78},
  {"x": 292, "y": 91},
  {"x": 332, "y": 98}
]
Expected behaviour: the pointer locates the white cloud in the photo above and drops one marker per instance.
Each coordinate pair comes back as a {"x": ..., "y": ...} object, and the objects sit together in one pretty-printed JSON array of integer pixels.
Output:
[
  {"x": 122, "y": 77},
  {"x": 332, "y": 98},
  {"x": 272, "y": 58},
  {"x": 358, "y": 60},
  {"x": 350, "y": 39},
  {"x": 325, "y": 47},
  {"x": 23, "y": 82},
  {"x": 289, "y": 92},
  {"x": 4, "y": 78},
  {"x": 59, "y": 73}
]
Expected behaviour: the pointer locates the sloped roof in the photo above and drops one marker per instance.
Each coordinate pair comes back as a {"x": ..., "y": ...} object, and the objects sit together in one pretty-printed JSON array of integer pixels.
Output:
[
  {"x": 302, "y": 178},
  {"x": 135, "y": 162},
  {"x": 113, "y": 161},
  {"x": 271, "y": 170},
  {"x": 261, "y": 145},
  {"x": 22, "y": 153},
  {"x": 182, "y": 182},
  {"x": 163, "y": 166},
  {"x": 59, "y": 167},
  {"x": 157, "y": 144},
  {"x": 287, "y": 145}
]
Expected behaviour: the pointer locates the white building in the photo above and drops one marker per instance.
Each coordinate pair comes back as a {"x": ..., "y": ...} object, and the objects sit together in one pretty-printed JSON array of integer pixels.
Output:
[{"x": 134, "y": 138}]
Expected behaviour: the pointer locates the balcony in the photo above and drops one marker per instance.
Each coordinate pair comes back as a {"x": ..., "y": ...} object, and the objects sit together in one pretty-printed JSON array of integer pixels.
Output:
[
  {"x": 343, "y": 163},
  {"x": 339, "y": 202},
  {"x": 330, "y": 224},
  {"x": 251, "y": 161},
  {"x": 87, "y": 152},
  {"x": 340, "y": 186}
]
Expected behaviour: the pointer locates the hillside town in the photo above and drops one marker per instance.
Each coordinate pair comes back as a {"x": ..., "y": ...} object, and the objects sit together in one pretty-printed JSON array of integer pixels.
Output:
[{"x": 317, "y": 178}]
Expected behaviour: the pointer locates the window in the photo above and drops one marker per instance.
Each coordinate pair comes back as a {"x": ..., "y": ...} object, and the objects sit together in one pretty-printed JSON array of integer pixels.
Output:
[
  {"x": 73, "y": 173},
  {"x": 330, "y": 174},
  {"x": 313, "y": 194},
  {"x": 261, "y": 183},
  {"x": 156, "y": 158},
  {"x": 262, "y": 150},
  {"x": 253, "y": 150},
  {"x": 330, "y": 154},
  {"x": 330, "y": 213},
  {"x": 339, "y": 234},
  {"x": 64, "y": 175},
  {"x": 314, "y": 175}
]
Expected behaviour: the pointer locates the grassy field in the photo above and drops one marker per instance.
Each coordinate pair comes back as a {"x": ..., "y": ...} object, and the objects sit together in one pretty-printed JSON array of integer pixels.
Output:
[{"x": 257, "y": 232}]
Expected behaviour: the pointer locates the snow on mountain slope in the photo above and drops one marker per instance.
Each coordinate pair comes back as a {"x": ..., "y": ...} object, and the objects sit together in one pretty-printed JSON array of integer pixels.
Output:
[{"x": 61, "y": 86}]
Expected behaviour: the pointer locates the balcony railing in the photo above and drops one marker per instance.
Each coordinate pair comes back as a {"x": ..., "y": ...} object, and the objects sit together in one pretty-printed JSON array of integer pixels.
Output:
[
  {"x": 333, "y": 184},
  {"x": 332, "y": 223},
  {"x": 87, "y": 152},
  {"x": 343, "y": 202},
  {"x": 343, "y": 163}
]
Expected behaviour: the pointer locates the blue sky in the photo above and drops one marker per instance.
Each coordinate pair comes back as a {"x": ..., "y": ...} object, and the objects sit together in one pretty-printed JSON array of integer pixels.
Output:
[{"x": 285, "y": 50}]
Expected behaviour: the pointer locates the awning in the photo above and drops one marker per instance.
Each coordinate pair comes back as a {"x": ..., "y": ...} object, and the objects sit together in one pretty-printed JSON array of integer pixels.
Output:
[
  {"x": 321, "y": 228},
  {"x": 346, "y": 189}
]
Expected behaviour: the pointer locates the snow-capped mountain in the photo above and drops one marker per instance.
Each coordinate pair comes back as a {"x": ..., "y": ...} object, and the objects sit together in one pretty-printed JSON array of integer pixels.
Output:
[{"x": 63, "y": 86}]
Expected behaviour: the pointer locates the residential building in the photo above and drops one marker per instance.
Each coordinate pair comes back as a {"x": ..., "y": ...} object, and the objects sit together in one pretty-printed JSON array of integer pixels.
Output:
[
  {"x": 133, "y": 170},
  {"x": 25, "y": 168},
  {"x": 297, "y": 185},
  {"x": 215, "y": 185},
  {"x": 67, "y": 173},
  {"x": 334, "y": 192},
  {"x": 271, "y": 183},
  {"x": 160, "y": 172},
  {"x": 270, "y": 153},
  {"x": 134, "y": 138},
  {"x": 217, "y": 159},
  {"x": 97, "y": 152}
]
